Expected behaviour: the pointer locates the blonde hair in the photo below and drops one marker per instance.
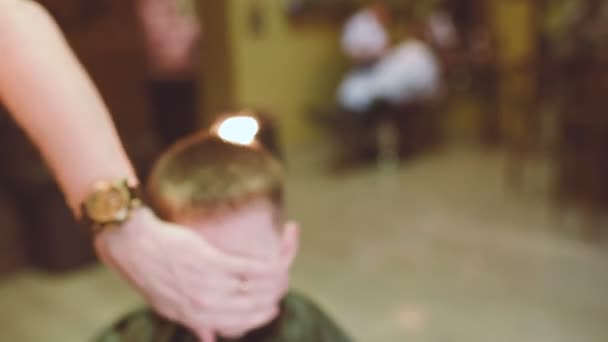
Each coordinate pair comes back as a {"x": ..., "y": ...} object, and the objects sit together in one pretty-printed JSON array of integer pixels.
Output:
[{"x": 203, "y": 174}]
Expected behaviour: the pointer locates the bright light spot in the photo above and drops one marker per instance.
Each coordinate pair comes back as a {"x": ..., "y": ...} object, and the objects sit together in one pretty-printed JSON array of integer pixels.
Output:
[{"x": 240, "y": 130}]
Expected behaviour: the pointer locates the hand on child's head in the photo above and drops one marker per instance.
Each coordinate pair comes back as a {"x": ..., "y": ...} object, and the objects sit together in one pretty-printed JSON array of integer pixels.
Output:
[{"x": 250, "y": 230}]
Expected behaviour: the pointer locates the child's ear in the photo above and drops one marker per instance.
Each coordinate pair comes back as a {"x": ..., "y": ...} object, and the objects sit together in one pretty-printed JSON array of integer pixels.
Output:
[{"x": 290, "y": 243}]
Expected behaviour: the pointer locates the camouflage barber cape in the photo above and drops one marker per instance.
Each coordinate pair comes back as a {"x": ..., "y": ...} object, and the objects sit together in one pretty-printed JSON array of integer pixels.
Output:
[{"x": 300, "y": 321}]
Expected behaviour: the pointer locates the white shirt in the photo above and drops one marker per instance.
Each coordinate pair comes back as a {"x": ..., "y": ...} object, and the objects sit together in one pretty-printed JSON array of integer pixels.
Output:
[
  {"x": 409, "y": 72},
  {"x": 358, "y": 90}
]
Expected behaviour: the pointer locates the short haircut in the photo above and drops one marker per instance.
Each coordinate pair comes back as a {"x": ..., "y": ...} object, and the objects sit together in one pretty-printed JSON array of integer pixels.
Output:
[{"x": 202, "y": 174}]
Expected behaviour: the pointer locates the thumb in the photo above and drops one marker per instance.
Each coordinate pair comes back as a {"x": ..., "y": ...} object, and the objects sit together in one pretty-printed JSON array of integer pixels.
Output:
[{"x": 290, "y": 243}]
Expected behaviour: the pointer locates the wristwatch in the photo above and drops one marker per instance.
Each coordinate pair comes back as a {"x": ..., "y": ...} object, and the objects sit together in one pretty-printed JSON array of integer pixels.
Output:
[{"x": 110, "y": 204}]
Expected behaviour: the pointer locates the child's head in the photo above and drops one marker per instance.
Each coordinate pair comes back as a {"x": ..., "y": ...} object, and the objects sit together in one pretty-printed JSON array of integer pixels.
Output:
[{"x": 231, "y": 194}]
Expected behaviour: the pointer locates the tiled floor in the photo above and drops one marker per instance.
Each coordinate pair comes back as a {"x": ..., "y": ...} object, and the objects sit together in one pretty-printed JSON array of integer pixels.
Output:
[{"x": 438, "y": 251}]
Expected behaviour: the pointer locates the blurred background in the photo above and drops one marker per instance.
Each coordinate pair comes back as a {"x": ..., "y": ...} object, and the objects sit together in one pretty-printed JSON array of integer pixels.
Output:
[{"x": 447, "y": 159}]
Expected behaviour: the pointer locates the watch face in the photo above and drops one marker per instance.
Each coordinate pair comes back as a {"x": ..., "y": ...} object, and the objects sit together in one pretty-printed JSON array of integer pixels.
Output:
[{"x": 108, "y": 202}]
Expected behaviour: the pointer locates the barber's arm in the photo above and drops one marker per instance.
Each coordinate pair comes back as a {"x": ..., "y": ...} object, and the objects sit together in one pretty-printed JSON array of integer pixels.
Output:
[{"x": 51, "y": 97}]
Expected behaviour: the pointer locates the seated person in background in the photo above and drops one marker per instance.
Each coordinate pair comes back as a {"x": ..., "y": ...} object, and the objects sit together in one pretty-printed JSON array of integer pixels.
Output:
[
  {"x": 232, "y": 194},
  {"x": 406, "y": 73},
  {"x": 365, "y": 41}
]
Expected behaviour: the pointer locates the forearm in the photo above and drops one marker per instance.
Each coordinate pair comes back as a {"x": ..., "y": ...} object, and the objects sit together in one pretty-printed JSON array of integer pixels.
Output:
[{"x": 54, "y": 101}]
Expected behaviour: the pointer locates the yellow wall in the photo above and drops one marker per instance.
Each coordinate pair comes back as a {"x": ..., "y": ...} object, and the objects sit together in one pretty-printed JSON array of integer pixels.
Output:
[
  {"x": 288, "y": 69},
  {"x": 514, "y": 23}
]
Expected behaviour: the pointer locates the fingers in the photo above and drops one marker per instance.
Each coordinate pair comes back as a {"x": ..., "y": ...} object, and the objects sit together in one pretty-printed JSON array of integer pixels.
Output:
[
  {"x": 231, "y": 316},
  {"x": 239, "y": 299},
  {"x": 205, "y": 260},
  {"x": 206, "y": 335},
  {"x": 231, "y": 326},
  {"x": 249, "y": 268},
  {"x": 226, "y": 286},
  {"x": 260, "y": 286}
]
